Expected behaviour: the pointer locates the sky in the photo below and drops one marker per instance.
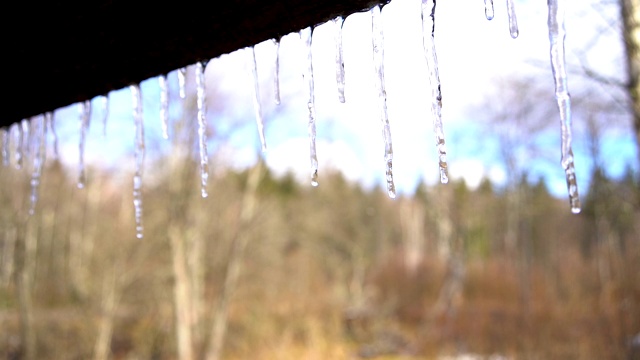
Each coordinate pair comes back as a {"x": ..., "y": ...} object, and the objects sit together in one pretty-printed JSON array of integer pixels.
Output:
[{"x": 473, "y": 55}]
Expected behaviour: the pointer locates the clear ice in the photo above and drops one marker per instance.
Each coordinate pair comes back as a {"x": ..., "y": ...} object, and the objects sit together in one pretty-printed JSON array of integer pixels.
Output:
[
  {"x": 39, "y": 136},
  {"x": 201, "y": 101},
  {"x": 513, "y": 21},
  {"x": 24, "y": 142},
  {"x": 378, "y": 62},
  {"x": 339, "y": 21},
  {"x": 488, "y": 9},
  {"x": 182, "y": 82},
  {"x": 85, "y": 117},
  {"x": 16, "y": 133},
  {"x": 138, "y": 120},
  {"x": 256, "y": 99},
  {"x": 557, "y": 35},
  {"x": 5, "y": 146},
  {"x": 428, "y": 42},
  {"x": 276, "y": 75},
  {"x": 51, "y": 123},
  {"x": 105, "y": 113},
  {"x": 306, "y": 35},
  {"x": 164, "y": 105}
]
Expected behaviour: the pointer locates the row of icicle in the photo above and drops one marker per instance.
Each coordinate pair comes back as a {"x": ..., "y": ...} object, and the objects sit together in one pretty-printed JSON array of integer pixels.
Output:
[{"x": 33, "y": 134}]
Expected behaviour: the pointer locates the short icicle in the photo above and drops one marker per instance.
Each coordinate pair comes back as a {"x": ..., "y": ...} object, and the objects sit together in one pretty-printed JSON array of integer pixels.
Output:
[
  {"x": 306, "y": 35},
  {"x": 85, "y": 117},
  {"x": 5, "y": 146},
  {"x": 16, "y": 133},
  {"x": 276, "y": 74},
  {"x": 339, "y": 22},
  {"x": 488, "y": 9},
  {"x": 428, "y": 42},
  {"x": 182, "y": 82},
  {"x": 25, "y": 144},
  {"x": 558, "y": 66},
  {"x": 39, "y": 136},
  {"x": 164, "y": 105},
  {"x": 51, "y": 123},
  {"x": 138, "y": 120},
  {"x": 513, "y": 21},
  {"x": 201, "y": 100},
  {"x": 378, "y": 62},
  {"x": 256, "y": 99},
  {"x": 105, "y": 113}
]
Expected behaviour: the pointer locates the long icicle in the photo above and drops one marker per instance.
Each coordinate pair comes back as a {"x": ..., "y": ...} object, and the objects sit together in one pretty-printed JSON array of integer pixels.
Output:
[
  {"x": 164, "y": 105},
  {"x": 256, "y": 99},
  {"x": 39, "y": 136},
  {"x": 488, "y": 9},
  {"x": 428, "y": 42},
  {"x": 513, "y": 21},
  {"x": 306, "y": 35},
  {"x": 378, "y": 62},
  {"x": 558, "y": 66},
  {"x": 138, "y": 120},
  {"x": 276, "y": 74},
  {"x": 85, "y": 117},
  {"x": 5, "y": 146},
  {"x": 201, "y": 100},
  {"x": 339, "y": 22},
  {"x": 182, "y": 82},
  {"x": 51, "y": 123},
  {"x": 105, "y": 113}
]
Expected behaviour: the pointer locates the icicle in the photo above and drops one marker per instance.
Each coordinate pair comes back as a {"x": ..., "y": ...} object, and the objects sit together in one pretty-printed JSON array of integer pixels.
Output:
[
  {"x": 39, "y": 142},
  {"x": 85, "y": 117},
  {"x": 378, "y": 61},
  {"x": 164, "y": 105},
  {"x": 5, "y": 146},
  {"x": 513, "y": 21},
  {"x": 182, "y": 82},
  {"x": 105, "y": 113},
  {"x": 51, "y": 123},
  {"x": 339, "y": 21},
  {"x": 202, "y": 127},
  {"x": 488, "y": 9},
  {"x": 276, "y": 77},
  {"x": 556, "y": 38},
  {"x": 138, "y": 119},
  {"x": 306, "y": 36},
  {"x": 428, "y": 42},
  {"x": 16, "y": 132},
  {"x": 25, "y": 139},
  {"x": 256, "y": 99}
]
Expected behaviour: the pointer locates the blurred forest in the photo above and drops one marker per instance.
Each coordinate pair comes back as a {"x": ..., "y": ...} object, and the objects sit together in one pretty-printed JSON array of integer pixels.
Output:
[{"x": 268, "y": 268}]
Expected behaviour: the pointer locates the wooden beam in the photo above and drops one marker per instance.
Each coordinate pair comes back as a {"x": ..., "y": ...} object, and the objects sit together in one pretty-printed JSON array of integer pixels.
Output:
[{"x": 63, "y": 52}]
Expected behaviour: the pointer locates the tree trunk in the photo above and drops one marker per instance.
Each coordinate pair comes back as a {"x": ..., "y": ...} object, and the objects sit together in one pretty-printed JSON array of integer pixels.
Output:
[
  {"x": 630, "y": 13},
  {"x": 182, "y": 294},
  {"x": 234, "y": 266},
  {"x": 102, "y": 348},
  {"x": 25, "y": 270}
]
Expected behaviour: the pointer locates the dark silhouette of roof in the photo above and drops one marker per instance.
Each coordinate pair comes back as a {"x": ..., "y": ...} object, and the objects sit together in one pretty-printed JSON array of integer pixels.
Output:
[{"x": 58, "y": 53}]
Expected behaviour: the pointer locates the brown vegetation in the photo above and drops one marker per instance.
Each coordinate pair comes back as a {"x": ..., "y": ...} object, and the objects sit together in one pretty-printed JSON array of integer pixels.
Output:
[{"x": 328, "y": 272}]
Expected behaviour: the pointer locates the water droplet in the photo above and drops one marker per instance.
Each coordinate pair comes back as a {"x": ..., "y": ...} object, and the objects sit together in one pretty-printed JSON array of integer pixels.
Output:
[{"x": 488, "y": 9}]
